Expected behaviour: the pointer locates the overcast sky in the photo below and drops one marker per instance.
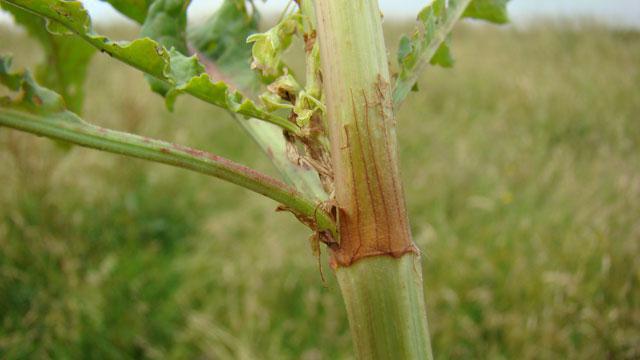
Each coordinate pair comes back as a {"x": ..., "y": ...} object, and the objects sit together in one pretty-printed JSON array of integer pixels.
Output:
[{"x": 615, "y": 12}]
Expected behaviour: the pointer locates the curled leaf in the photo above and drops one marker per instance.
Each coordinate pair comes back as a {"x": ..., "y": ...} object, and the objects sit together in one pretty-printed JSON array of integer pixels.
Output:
[
  {"x": 31, "y": 97},
  {"x": 42, "y": 112},
  {"x": 147, "y": 55},
  {"x": 306, "y": 105},
  {"x": 274, "y": 102},
  {"x": 286, "y": 87},
  {"x": 66, "y": 57},
  {"x": 269, "y": 46},
  {"x": 166, "y": 23},
  {"x": 221, "y": 39}
]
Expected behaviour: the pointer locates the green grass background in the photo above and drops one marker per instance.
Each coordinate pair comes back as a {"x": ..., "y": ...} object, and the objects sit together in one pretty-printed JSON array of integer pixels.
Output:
[{"x": 522, "y": 174}]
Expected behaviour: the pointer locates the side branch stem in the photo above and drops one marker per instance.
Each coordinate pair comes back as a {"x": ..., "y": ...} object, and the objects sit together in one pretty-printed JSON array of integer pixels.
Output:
[
  {"x": 403, "y": 86},
  {"x": 91, "y": 136}
]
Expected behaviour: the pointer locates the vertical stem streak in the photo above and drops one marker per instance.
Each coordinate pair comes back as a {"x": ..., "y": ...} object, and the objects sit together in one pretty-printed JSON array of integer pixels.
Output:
[{"x": 373, "y": 216}]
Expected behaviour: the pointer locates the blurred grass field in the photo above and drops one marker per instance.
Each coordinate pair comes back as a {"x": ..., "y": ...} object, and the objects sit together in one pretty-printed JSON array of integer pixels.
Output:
[{"x": 522, "y": 170}]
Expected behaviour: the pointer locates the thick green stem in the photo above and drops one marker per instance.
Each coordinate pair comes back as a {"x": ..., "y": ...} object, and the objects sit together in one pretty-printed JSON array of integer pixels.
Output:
[
  {"x": 377, "y": 263},
  {"x": 378, "y": 291},
  {"x": 87, "y": 135}
]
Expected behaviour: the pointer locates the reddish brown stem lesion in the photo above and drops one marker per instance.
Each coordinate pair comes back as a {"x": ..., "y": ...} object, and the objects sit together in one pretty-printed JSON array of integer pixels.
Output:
[{"x": 372, "y": 216}]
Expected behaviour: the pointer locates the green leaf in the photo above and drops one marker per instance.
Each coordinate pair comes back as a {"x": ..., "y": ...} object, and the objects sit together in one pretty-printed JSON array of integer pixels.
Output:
[
  {"x": 41, "y": 111},
  {"x": 143, "y": 54},
  {"x": 222, "y": 39},
  {"x": 443, "y": 56},
  {"x": 133, "y": 9},
  {"x": 66, "y": 58},
  {"x": 190, "y": 77},
  {"x": 13, "y": 81},
  {"x": 154, "y": 59},
  {"x": 430, "y": 19},
  {"x": 494, "y": 11},
  {"x": 32, "y": 97},
  {"x": 430, "y": 41},
  {"x": 269, "y": 46},
  {"x": 166, "y": 23},
  {"x": 405, "y": 48}
]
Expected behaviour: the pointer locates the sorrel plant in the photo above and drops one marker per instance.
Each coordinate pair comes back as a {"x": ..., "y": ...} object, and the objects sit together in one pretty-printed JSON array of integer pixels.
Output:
[{"x": 330, "y": 132}]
